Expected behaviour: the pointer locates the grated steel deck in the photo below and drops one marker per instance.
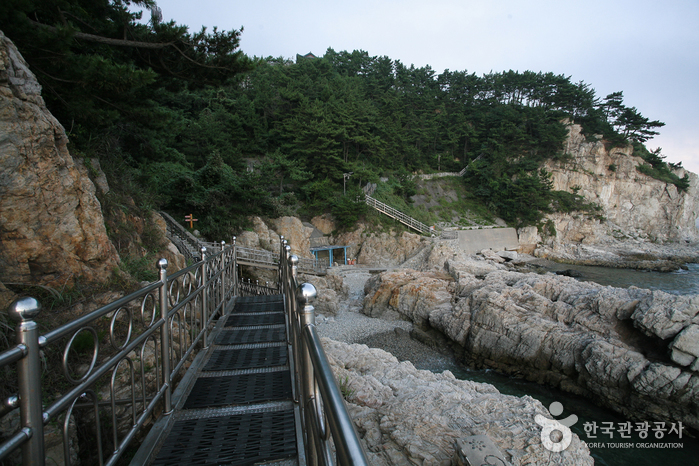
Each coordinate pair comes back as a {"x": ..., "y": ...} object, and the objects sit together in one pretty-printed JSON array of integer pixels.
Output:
[
  {"x": 245, "y": 388},
  {"x": 241, "y": 439},
  {"x": 259, "y": 306},
  {"x": 263, "y": 334},
  {"x": 239, "y": 410},
  {"x": 232, "y": 359},
  {"x": 245, "y": 320}
]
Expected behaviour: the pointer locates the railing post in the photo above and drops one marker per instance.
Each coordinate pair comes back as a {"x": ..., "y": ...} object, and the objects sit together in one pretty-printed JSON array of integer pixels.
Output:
[
  {"x": 282, "y": 252},
  {"x": 223, "y": 275},
  {"x": 165, "y": 336},
  {"x": 235, "y": 268},
  {"x": 306, "y": 293},
  {"x": 24, "y": 310},
  {"x": 204, "y": 298}
]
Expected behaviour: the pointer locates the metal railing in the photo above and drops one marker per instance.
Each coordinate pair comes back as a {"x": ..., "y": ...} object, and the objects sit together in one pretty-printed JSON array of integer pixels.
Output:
[
  {"x": 324, "y": 417},
  {"x": 188, "y": 244},
  {"x": 264, "y": 258},
  {"x": 259, "y": 257},
  {"x": 114, "y": 369},
  {"x": 250, "y": 288},
  {"x": 398, "y": 215},
  {"x": 430, "y": 176}
]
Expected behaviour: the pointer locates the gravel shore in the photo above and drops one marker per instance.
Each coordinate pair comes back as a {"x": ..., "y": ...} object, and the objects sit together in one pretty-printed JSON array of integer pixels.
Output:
[{"x": 351, "y": 326}]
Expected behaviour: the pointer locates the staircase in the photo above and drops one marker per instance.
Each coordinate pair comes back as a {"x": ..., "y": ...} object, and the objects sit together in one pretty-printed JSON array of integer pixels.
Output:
[
  {"x": 240, "y": 409},
  {"x": 398, "y": 215},
  {"x": 393, "y": 213}
]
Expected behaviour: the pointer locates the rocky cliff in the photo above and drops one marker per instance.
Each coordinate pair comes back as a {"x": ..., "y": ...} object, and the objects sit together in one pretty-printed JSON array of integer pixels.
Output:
[
  {"x": 636, "y": 209},
  {"x": 51, "y": 226}
]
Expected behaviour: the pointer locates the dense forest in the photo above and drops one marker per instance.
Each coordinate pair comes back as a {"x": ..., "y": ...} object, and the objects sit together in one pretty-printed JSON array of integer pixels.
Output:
[{"x": 188, "y": 123}]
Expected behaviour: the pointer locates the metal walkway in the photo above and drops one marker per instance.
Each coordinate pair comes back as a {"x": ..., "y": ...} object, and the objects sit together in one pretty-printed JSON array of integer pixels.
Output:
[{"x": 237, "y": 406}]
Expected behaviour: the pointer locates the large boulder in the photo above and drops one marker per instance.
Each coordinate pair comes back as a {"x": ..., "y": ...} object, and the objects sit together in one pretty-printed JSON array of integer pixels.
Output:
[
  {"x": 410, "y": 293},
  {"x": 407, "y": 416},
  {"x": 298, "y": 235},
  {"x": 387, "y": 249},
  {"x": 51, "y": 225}
]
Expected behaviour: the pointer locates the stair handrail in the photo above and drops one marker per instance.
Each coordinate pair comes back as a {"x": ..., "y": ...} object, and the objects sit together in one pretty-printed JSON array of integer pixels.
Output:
[
  {"x": 323, "y": 411},
  {"x": 159, "y": 326},
  {"x": 188, "y": 244},
  {"x": 398, "y": 215}
]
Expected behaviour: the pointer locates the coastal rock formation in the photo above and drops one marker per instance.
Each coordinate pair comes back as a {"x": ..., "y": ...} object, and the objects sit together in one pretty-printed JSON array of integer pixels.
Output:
[
  {"x": 51, "y": 227},
  {"x": 330, "y": 291},
  {"x": 413, "y": 294},
  {"x": 266, "y": 236},
  {"x": 608, "y": 343},
  {"x": 636, "y": 209},
  {"x": 385, "y": 249},
  {"x": 407, "y": 416},
  {"x": 296, "y": 233}
]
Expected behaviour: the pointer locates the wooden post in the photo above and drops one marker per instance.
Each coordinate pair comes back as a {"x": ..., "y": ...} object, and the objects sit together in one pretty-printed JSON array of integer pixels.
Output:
[{"x": 190, "y": 218}]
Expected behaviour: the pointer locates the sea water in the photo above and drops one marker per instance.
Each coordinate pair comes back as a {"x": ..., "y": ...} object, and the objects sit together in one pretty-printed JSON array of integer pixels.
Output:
[{"x": 609, "y": 448}]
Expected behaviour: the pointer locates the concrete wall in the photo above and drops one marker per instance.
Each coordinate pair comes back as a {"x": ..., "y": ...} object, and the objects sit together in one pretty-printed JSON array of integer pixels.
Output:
[{"x": 473, "y": 241}]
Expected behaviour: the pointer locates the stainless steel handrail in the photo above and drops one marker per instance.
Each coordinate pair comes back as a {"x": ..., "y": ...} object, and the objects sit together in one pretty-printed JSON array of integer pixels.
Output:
[
  {"x": 162, "y": 325},
  {"x": 159, "y": 326},
  {"x": 316, "y": 389}
]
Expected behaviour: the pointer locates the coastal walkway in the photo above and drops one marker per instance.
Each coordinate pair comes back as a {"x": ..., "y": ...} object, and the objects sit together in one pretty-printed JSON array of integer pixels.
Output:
[
  {"x": 236, "y": 406},
  {"x": 203, "y": 367}
]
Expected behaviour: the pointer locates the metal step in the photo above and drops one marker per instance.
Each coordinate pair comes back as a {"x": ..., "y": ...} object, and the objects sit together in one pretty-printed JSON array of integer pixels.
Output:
[
  {"x": 243, "y": 439},
  {"x": 241, "y": 389}
]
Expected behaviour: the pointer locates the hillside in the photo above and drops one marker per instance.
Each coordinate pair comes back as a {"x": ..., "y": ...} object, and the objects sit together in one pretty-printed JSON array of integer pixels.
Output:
[{"x": 175, "y": 118}]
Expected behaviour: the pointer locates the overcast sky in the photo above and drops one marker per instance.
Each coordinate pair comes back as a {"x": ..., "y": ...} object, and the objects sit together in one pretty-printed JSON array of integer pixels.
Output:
[{"x": 647, "y": 49}]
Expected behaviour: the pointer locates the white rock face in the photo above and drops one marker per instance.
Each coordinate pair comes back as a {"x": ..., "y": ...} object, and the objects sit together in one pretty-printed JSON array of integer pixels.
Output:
[
  {"x": 610, "y": 344},
  {"x": 637, "y": 208},
  {"x": 407, "y": 416}
]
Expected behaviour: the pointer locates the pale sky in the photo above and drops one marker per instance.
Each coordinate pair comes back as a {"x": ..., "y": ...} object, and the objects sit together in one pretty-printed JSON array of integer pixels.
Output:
[{"x": 647, "y": 49}]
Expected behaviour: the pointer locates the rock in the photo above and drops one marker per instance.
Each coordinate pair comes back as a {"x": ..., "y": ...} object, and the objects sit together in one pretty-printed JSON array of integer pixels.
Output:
[
  {"x": 528, "y": 239},
  {"x": 52, "y": 225},
  {"x": 492, "y": 256},
  {"x": 296, "y": 233},
  {"x": 408, "y": 416},
  {"x": 685, "y": 346},
  {"x": 634, "y": 205},
  {"x": 508, "y": 255},
  {"x": 412, "y": 294},
  {"x": 636, "y": 211},
  {"x": 601, "y": 342},
  {"x": 324, "y": 223},
  {"x": 385, "y": 249},
  {"x": 6, "y": 298},
  {"x": 100, "y": 178}
]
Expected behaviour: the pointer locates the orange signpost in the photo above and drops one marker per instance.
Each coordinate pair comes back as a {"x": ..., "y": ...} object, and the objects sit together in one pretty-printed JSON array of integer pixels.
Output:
[{"x": 190, "y": 218}]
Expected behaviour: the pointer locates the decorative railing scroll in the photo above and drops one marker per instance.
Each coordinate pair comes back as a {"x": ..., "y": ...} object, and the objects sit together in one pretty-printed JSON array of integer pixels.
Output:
[{"x": 110, "y": 371}]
